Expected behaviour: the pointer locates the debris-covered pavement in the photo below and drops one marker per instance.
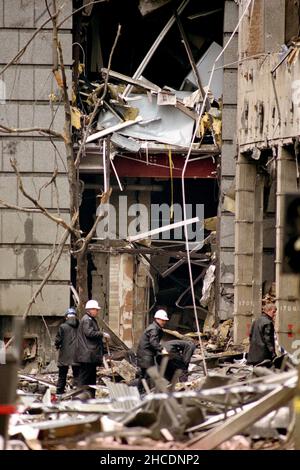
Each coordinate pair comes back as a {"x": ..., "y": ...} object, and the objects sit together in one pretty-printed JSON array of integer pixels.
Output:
[
  {"x": 149, "y": 172},
  {"x": 236, "y": 406}
]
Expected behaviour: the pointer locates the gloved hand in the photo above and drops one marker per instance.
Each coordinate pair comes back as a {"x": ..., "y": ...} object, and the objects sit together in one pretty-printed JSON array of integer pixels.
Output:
[
  {"x": 164, "y": 352},
  {"x": 106, "y": 335}
]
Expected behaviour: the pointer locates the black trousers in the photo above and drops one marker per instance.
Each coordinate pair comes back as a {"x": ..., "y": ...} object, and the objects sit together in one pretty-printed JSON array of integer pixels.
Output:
[
  {"x": 62, "y": 378},
  {"x": 179, "y": 359},
  {"x": 87, "y": 375},
  {"x": 142, "y": 374},
  {"x": 183, "y": 349}
]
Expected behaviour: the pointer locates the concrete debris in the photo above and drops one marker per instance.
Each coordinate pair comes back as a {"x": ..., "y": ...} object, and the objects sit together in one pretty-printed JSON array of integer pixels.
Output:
[
  {"x": 122, "y": 369},
  {"x": 230, "y": 409},
  {"x": 275, "y": 425},
  {"x": 220, "y": 338},
  {"x": 52, "y": 367},
  {"x": 148, "y": 6},
  {"x": 125, "y": 370},
  {"x": 236, "y": 443}
]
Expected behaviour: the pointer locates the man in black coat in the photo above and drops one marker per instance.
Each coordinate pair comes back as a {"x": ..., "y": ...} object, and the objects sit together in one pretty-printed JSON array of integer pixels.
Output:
[
  {"x": 149, "y": 346},
  {"x": 262, "y": 337},
  {"x": 65, "y": 342},
  {"x": 89, "y": 348}
]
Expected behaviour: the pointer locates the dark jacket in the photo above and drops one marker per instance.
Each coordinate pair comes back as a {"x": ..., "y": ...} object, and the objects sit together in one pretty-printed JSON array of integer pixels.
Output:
[
  {"x": 89, "y": 348},
  {"x": 65, "y": 342},
  {"x": 149, "y": 346},
  {"x": 262, "y": 340}
]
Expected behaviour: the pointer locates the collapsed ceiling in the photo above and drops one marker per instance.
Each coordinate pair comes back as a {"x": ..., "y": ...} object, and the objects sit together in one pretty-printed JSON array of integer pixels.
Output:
[{"x": 142, "y": 22}]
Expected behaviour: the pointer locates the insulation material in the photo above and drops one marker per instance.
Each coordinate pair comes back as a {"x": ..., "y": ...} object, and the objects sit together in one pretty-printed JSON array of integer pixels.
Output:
[
  {"x": 204, "y": 67},
  {"x": 207, "y": 285},
  {"x": 164, "y": 124},
  {"x": 148, "y": 6}
]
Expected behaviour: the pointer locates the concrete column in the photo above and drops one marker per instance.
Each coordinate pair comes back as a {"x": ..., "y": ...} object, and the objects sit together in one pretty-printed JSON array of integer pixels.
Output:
[
  {"x": 121, "y": 276},
  {"x": 225, "y": 230},
  {"x": 244, "y": 247},
  {"x": 258, "y": 245},
  {"x": 141, "y": 300},
  {"x": 287, "y": 285}
]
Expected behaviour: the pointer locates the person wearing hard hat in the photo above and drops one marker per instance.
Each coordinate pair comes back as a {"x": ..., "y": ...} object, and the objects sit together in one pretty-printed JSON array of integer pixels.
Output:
[
  {"x": 89, "y": 350},
  {"x": 65, "y": 342},
  {"x": 149, "y": 346}
]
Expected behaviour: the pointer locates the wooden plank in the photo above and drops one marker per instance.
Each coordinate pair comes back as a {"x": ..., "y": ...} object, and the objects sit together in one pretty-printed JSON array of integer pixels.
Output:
[
  {"x": 146, "y": 84},
  {"x": 150, "y": 233},
  {"x": 112, "y": 129},
  {"x": 242, "y": 420}
]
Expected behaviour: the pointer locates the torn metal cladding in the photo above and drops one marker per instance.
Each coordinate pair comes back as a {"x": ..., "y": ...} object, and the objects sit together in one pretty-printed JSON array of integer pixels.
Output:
[{"x": 270, "y": 104}]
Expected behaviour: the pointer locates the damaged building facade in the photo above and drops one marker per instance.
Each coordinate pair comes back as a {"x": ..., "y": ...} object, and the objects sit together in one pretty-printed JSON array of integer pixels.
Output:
[
  {"x": 138, "y": 146},
  {"x": 147, "y": 160},
  {"x": 267, "y": 164}
]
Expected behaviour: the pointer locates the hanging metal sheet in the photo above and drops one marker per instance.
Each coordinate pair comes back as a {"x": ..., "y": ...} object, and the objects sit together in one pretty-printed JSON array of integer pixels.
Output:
[{"x": 164, "y": 124}]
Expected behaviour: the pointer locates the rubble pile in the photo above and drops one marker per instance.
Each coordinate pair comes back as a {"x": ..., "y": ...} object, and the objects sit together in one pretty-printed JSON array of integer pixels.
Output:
[{"x": 233, "y": 407}]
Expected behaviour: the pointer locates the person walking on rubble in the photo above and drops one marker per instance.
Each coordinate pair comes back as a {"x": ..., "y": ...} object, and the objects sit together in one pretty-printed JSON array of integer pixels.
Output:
[
  {"x": 65, "y": 342},
  {"x": 262, "y": 337},
  {"x": 149, "y": 347},
  {"x": 89, "y": 347}
]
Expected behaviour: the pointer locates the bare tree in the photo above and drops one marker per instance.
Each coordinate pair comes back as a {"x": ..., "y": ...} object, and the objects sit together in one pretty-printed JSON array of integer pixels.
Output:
[{"x": 79, "y": 242}]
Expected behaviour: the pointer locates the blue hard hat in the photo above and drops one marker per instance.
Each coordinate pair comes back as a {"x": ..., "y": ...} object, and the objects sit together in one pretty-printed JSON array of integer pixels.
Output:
[{"x": 71, "y": 311}]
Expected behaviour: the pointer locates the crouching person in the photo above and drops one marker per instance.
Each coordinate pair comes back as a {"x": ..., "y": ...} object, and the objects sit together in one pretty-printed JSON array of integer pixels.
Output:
[
  {"x": 149, "y": 348},
  {"x": 65, "y": 342},
  {"x": 180, "y": 354},
  {"x": 262, "y": 338},
  {"x": 89, "y": 347}
]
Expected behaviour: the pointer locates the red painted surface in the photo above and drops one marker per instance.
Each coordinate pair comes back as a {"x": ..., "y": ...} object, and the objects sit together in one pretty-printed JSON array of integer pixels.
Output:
[
  {"x": 158, "y": 166},
  {"x": 7, "y": 409},
  {"x": 290, "y": 332}
]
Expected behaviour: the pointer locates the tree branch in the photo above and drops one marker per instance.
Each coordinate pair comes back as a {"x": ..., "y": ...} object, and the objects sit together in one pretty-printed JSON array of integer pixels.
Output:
[
  {"x": 79, "y": 9},
  {"x": 49, "y": 273},
  {"x": 88, "y": 238},
  {"x": 51, "y": 181},
  {"x": 35, "y": 202},
  {"x": 71, "y": 173},
  {"x": 12, "y": 130},
  {"x": 19, "y": 54},
  {"x": 19, "y": 208},
  {"x": 99, "y": 101}
]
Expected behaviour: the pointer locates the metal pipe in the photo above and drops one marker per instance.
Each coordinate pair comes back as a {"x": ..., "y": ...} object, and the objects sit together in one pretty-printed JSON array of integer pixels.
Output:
[
  {"x": 116, "y": 175},
  {"x": 130, "y": 187},
  {"x": 183, "y": 179}
]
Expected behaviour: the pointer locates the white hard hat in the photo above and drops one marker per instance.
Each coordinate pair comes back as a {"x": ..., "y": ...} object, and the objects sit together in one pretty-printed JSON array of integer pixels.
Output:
[
  {"x": 161, "y": 315},
  {"x": 92, "y": 304}
]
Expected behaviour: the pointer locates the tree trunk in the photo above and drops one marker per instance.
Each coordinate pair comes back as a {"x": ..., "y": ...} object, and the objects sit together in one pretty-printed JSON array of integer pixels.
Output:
[{"x": 81, "y": 280}]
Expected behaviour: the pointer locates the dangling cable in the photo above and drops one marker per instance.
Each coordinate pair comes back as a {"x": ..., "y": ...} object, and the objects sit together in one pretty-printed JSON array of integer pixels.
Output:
[
  {"x": 172, "y": 186},
  {"x": 183, "y": 179}
]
